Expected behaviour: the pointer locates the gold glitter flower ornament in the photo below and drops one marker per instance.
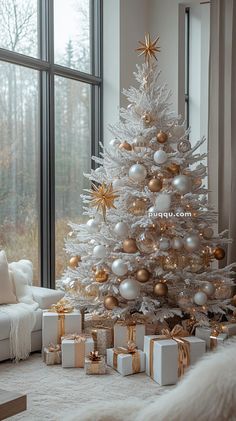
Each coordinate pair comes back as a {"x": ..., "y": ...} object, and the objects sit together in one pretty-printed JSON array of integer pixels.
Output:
[
  {"x": 148, "y": 48},
  {"x": 103, "y": 197}
]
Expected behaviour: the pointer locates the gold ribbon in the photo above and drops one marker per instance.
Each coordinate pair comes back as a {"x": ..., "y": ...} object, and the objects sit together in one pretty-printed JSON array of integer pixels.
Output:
[
  {"x": 79, "y": 342},
  {"x": 176, "y": 334},
  {"x": 131, "y": 329},
  {"x": 54, "y": 348},
  {"x": 134, "y": 354},
  {"x": 62, "y": 307}
]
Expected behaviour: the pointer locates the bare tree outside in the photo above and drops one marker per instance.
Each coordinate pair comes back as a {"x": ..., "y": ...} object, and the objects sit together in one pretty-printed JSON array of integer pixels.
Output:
[{"x": 19, "y": 125}]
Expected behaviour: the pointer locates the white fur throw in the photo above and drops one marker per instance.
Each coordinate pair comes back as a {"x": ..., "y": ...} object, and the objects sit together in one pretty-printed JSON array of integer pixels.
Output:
[
  {"x": 206, "y": 393},
  {"x": 22, "y": 315}
]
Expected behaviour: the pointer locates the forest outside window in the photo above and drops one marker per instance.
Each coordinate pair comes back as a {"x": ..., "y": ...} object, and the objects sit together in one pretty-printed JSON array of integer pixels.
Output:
[{"x": 50, "y": 124}]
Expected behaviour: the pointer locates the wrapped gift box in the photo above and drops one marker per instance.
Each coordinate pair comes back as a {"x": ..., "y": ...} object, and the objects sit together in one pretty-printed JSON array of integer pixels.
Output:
[
  {"x": 168, "y": 358},
  {"x": 52, "y": 355},
  {"x": 129, "y": 333},
  {"x": 103, "y": 338},
  {"x": 210, "y": 336},
  {"x": 55, "y": 325},
  {"x": 94, "y": 321},
  {"x": 126, "y": 362},
  {"x": 95, "y": 366},
  {"x": 74, "y": 350}
]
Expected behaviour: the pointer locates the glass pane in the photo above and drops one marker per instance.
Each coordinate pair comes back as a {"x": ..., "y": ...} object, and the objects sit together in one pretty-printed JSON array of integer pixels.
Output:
[
  {"x": 72, "y": 34},
  {"x": 19, "y": 187},
  {"x": 73, "y": 152},
  {"x": 19, "y": 26}
]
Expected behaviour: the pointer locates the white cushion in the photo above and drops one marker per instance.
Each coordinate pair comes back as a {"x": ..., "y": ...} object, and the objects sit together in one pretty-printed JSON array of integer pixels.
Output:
[
  {"x": 26, "y": 266},
  {"x": 22, "y": 278},
  {"x": 45, "y": 297},
  {"x": 6, "y": 291}
]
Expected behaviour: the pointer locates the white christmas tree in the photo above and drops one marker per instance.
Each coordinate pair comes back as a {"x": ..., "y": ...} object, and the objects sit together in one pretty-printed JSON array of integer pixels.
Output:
[{"x": 148, "y": 245}]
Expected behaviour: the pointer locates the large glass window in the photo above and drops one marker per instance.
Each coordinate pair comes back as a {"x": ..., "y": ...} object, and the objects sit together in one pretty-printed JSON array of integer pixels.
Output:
[{"x": 49, "y": 118}]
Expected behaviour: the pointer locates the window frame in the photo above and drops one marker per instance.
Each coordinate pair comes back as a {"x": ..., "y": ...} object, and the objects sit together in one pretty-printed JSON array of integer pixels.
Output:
[{"x": 48, "y": 70}]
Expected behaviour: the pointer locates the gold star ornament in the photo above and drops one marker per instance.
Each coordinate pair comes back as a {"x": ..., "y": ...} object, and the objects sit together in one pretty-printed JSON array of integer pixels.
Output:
[
  {"x": 103, "y": 197},
  {"x": 148, "y": 48}
]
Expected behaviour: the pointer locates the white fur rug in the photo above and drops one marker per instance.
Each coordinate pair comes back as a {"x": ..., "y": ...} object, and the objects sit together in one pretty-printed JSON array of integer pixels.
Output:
[
  {"x": 207, "y": 392},
  {"x": 55, "y": 394}
]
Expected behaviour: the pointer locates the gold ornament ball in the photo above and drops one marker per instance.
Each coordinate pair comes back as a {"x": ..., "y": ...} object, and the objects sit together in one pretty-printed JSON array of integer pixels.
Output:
[
  {"x": 162, "y": 137},
  {"x": 160, "y": 289},
  {"x": 126, "y": 146},
  {"x": 173, "y": 168},
  {"x": 219, "y": 253},
  {"x": 130, "y": 246},
  {"x": 74, "y": 261},
  {"x": 143, "y": 275},
  {"x": 110, "y": 302},
  {"x": 138, "y": 207},
  {"x": 101, "y": 275},
  {"x": 146, "y": 117},
  {"x": 155, "y": 185}
]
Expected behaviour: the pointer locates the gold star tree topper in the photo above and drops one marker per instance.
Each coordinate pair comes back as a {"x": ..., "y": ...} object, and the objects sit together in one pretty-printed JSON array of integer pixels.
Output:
[
  {"x": 148, "y": 48},
  {"x": 103, "y": 197}
]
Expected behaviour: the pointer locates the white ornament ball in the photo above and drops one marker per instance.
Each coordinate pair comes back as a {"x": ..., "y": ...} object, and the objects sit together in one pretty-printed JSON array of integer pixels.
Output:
[
  {"x": 114, "y": 143},
  {"x": 119, "y": 268},
  {"x": 129, "y": 289},
  {"x": 182, "y": 183},
  {"x": 209, "y": 289},
  {"x": 121, "y": 229},
  {"x": 177, "y": 243},
  {"x": 160, "y": 156},
  {"x": 164, "y": 243},
  {"x": 137, "y": 172},
  {"x": 192, "y": 242},
  {"x": 200, "y": 298},
  {"x": 99, "y": 251},
  {"x": 162, "y": 203},
  {"x": 92, "y": 225}
]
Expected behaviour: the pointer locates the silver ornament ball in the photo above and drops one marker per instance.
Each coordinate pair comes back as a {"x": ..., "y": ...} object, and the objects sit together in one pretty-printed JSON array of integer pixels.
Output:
[
  {"x": 160, "y": 156},
  {"x": 129, "y": 289},
  {"x": 209, "y": 289},
  {"x": 177, "y": 243},
  {"x": 182, "y": 183},
  {"x": 164, "y": 243},
  {"x": 200, "y": 298},
  {"x": 192, "y": 242},
  {"x": 121, "y": 229},
  {"x": 100, "y": 251},
  {"x": 119, "y": 267},
  {"x": 92, "y": 225},
  {"x": 184, "y": 146},
  {"x": 178, "y": 131},
  {"x": 137, "y": 172},
  {"x": 117, "y": 183}
]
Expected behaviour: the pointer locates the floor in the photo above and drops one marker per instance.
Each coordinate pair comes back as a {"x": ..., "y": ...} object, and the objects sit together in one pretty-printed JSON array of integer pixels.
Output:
[{"x": 53, "y": 392}]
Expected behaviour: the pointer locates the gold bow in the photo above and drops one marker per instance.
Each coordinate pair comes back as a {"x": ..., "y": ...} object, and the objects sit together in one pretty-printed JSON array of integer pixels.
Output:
[
  {"x": 127, "y": 351},
  {"x": 54, "y": 348},
  {"x": 94, "y": 356},
  {"x": 176, "y": 334},
  {"x": 62, "y": 306},
  {"x": 75, "y": 337}
]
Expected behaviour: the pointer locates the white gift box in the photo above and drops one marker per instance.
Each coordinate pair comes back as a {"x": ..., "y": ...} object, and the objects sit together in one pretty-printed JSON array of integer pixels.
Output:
[
  {"x": 207, "y": 334},
  {"x": 162, "y": 357},
  {"x": 126, "y": 364},
  {"x": 55, "y": 325},
  {"x": 125, "y": 333},
  {"x": 74, "y": 351}
]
